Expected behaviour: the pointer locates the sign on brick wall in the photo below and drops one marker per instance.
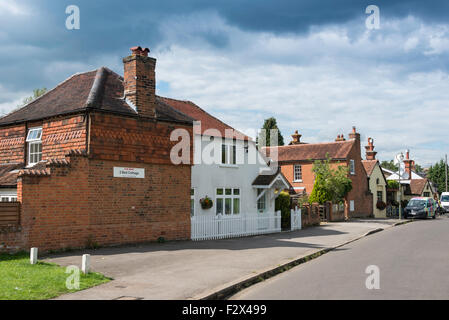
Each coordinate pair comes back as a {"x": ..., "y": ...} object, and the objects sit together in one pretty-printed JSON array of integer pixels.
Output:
[{"x": 136, "y": 173}]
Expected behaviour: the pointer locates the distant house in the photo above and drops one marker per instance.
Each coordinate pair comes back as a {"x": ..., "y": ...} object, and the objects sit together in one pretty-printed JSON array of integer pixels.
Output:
[
  {"x": 412, "y": 183},
  {"x": 297, "y": 159},
  {"x": 239, "y": 181},
  {"x": 376, "y": 179}
]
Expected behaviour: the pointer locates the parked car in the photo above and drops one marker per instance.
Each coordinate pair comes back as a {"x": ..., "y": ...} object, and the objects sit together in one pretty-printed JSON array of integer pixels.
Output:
[
  {"x": 445, "y": 201},
  {"x": 420, "y": 207}
]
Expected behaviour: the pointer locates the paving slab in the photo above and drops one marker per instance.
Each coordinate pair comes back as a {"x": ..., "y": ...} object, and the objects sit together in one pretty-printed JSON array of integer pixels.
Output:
[{"x": 193, "y": 270}]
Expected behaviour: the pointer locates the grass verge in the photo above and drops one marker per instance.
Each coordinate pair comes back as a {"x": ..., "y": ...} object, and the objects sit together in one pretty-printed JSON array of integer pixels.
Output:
[{"x": 19, "y": 280}]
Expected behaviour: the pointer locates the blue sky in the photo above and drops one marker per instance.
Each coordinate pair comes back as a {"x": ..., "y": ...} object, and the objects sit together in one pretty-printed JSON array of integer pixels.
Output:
[{"x": 311, "y": 64}]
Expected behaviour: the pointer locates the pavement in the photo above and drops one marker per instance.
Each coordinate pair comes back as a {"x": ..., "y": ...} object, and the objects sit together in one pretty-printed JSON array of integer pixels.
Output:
[
  {"x": 412, "y": 260},
  {"x": 197, "y": 270}
]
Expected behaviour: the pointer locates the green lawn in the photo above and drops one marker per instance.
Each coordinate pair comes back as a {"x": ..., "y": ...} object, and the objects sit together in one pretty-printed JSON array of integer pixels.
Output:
[{"x": 19, "y": 280}]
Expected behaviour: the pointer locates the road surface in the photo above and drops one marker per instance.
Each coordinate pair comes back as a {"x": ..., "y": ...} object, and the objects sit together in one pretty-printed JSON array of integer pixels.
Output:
[{"x": 413, "y": 262}]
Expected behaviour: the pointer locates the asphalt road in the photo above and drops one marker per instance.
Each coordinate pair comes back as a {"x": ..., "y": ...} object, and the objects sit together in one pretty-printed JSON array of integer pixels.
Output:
[{"x": 413, "y": 261}]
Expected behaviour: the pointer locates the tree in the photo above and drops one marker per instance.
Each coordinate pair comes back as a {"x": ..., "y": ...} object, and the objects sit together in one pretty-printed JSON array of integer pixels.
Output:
[
  {"x": 330, "y": 184},
  {"x": 437, "y": 174},
  {"x": 268, "y": 125},
  {"x": 36, "y": 94},
  {"x": 389, "y": 165}
]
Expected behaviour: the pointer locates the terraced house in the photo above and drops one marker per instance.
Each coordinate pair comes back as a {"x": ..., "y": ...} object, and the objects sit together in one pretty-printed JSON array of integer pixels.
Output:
[{"x": 89, "y": 162}]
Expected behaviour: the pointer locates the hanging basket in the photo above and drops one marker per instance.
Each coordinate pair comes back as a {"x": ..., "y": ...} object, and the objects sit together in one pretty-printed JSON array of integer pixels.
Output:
[{"x": 206, "y": 203}]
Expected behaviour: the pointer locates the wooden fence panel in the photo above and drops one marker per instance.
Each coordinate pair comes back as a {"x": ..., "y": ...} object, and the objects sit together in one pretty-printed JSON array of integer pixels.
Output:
[{"x": 9, "y": 214}]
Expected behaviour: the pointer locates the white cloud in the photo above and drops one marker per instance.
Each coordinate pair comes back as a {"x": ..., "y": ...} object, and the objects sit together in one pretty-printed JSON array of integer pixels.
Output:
[
  {"x": 321, "y": 83},
  {"x": 10, "y": 7}
]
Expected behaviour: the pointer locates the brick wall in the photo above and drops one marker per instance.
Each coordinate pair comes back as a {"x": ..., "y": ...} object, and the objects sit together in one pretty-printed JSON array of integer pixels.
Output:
[
  {"x": 12, "y": 141},
  {"x": 132, "y": 139},
  {"x": 61, "y": 135},
  {"x": 84, "y": 203}
]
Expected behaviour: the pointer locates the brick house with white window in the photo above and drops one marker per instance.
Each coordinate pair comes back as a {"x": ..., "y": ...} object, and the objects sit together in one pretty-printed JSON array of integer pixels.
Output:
[
  {"x": 297, "y": 158},
  {"x": 89, "y": 162}
]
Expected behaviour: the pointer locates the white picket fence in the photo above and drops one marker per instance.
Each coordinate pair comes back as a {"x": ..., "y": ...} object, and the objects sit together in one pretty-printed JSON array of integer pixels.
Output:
[
  {"x": 295, "y": 216},
  {"x": 220, "y": 227}
]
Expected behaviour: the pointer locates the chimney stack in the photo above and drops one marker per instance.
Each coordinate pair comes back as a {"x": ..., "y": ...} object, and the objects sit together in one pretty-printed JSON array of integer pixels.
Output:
[
  {"x": 140, "y": 81},
  {"x": 296, "y": 138},
  {"x": 409, "y": 164},
  {"x": 340, "y": 137},
  {"x": 370, "y": 153}
]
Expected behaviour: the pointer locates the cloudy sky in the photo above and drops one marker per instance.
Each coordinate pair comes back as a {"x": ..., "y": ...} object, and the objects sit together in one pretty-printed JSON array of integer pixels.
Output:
[{"x": 314, "y": 65}]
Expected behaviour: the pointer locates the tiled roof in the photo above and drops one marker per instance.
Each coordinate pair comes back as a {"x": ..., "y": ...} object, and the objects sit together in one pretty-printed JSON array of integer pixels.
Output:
[
  {"x": 100, "y": 89},
  {"x": 369, "y": 166},
  {"x": 208, "y": 121},
  {"x": 315, "y": 151},
  {"x": 417, "y": 186},
  {"x": 9, "y": 174}
]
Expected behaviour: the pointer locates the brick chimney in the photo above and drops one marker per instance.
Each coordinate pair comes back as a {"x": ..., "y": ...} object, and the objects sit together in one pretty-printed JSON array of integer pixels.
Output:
[
  {"x": 370, "y": 153},
  {"x": 296, "y": 138},
  {"x": 340, "y": 137},
  {"x": 140, "y": 81},
  {"x": 409, "y": 164},
  {"x": 354, "y": 135}
]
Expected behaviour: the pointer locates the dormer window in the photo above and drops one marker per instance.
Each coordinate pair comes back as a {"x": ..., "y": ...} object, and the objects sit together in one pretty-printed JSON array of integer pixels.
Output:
[{"x": 34, "y": 141}]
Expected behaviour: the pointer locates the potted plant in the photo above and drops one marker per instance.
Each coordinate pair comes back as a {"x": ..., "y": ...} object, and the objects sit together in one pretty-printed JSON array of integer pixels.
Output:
[{"x": 206, "y": 203}]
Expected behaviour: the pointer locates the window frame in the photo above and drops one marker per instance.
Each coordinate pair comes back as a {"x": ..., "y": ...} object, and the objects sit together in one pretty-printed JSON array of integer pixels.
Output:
[
  {"x": 264, "y": 198},
  {"x": 10, "y": 197},
  {"x": 192, "y": 202},
  {"x": 294, "y": 173},
  {"x": 352, "y": 166},
  {"x": 229, "y": 153},
  {"x": 34, "y": 140},
  {"x": 233, "y": 197}
]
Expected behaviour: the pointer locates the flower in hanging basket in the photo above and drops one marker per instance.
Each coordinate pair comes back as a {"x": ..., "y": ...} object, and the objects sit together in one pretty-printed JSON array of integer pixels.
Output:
[{"x": 206, "y": 203}]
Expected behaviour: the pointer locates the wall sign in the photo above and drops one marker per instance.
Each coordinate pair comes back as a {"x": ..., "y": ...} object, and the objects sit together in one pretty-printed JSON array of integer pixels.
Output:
[{"x": 136, "y": 173}]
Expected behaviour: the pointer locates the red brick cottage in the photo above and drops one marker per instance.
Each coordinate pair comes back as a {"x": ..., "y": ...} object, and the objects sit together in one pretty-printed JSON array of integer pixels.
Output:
[
  {"x": 89, "y": 162},
  {"x": 296, "y": 161}
]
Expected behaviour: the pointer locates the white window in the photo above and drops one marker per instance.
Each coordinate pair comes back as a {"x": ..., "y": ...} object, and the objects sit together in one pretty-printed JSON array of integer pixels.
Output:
[
  {"x": 192, "y": 202},
  {"x": 227, "y": 201},
  {"x": 228, "y": 153},
  {"x": 351, "y": 206},
  {"x": 297, "y": 171},
  {"x": 8, "y": 198},
  {"x": 351, "y": 166},
  {"x": 34, "y": 140},
  {"x": 262, "y": 201}
]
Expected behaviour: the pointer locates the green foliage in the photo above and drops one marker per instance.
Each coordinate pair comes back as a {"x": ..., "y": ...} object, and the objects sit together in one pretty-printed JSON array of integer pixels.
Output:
[
  {"x": 330, "y": 184},
  {"x": 282, "y": 203},
  {"x": 393, "y": 184},
  {"x": 36, "y": 94},
  {"x": 437, "y": 175},
  {"x": 303, "y": 200},
  {"x": 389, "y": 165},
  {"x": 19, "y": 280},
  {"x": 268, "y": 125}
]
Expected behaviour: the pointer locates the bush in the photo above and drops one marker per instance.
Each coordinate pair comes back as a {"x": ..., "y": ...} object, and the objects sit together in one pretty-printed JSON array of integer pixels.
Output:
[
  {"x": 381, "y": 205},
  {"x": 303, "y": 200},
  {"x": 393, "y": 184},
  {"x": 283, "y": 204}
]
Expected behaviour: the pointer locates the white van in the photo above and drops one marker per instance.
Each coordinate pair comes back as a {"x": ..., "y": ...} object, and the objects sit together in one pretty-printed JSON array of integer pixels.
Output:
[{"x": 445, "y": 201}]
